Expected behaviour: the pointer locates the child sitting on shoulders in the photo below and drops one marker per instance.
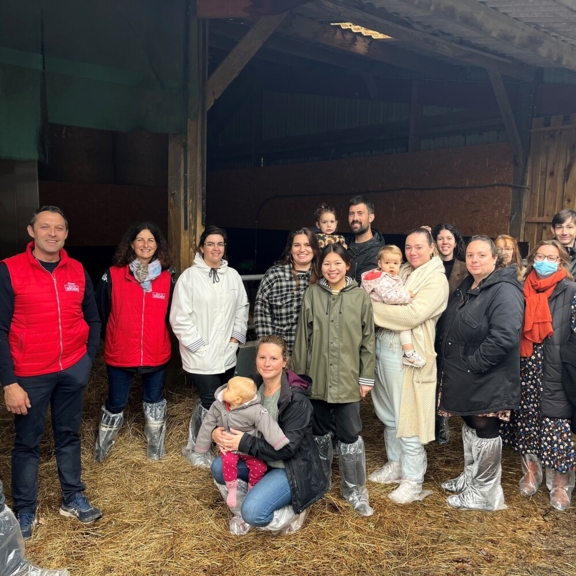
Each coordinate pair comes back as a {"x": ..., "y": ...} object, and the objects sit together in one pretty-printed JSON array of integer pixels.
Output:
[
  {"x": 237, "y": 406},
  {"x": 327, "y": 223},
  {"x": 384, "y": 285}
]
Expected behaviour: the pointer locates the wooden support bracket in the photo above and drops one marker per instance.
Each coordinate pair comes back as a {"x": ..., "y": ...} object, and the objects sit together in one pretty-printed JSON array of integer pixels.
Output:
[
  {"x": 240, "y": 55},
  {"x": 508, "y": 117}
]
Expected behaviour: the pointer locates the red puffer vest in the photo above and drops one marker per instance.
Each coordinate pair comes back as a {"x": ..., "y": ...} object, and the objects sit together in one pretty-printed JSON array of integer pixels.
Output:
[
  {"x": 48, "y": 332},
  {"x": 137, "y": 333}
]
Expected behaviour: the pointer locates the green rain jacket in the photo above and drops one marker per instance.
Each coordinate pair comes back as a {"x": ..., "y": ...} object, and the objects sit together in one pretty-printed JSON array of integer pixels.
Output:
[{"x": 335, "y": 343}]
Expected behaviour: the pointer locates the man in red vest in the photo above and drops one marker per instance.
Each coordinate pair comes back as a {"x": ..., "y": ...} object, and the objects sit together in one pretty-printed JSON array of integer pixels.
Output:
[{"x": 49, "y": 336}]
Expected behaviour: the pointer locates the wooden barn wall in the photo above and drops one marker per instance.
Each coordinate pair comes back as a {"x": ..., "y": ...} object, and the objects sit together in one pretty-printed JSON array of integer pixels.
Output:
[
  {"x": 100, "y": 214},
  {"x": 234, "y": 196},
  {"x": 552, "y": 175}
]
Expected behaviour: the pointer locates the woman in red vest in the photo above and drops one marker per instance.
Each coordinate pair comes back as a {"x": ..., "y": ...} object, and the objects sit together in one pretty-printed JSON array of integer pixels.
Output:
[{"x": 134, "y": 300}]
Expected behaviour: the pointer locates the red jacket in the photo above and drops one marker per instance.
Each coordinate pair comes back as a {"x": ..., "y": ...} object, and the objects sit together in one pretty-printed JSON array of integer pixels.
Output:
[
  {"x": 48, "y": 332},
  {"x": 137, "y": 333}
]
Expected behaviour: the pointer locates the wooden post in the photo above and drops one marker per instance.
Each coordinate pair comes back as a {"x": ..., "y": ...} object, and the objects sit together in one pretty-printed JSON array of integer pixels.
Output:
[{"x": 187, "y": 153}]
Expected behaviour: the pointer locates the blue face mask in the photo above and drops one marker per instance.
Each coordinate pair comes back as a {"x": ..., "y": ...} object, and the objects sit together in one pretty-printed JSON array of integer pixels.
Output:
[{"x": 545, "y": 268}]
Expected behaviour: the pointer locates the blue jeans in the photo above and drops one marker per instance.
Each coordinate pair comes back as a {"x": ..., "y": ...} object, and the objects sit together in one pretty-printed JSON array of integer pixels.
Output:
[
  {"x": 120, "y": 381},
  {"x": 270, "y": 494},
  {"x": 64, "y": 392}
]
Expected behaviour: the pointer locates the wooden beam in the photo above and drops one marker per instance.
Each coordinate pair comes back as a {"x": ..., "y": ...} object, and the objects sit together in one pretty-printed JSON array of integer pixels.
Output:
[
  {"x": 240, "y": 56},
  {"x": 508, "y": 117},
  {"x": 244, "y": 8},
  {"x": 463, "y": 54},
  {"x": 475, "y": 16},
  {"x": 187, "y": 155},
  {"x": 336, "y": 37}
]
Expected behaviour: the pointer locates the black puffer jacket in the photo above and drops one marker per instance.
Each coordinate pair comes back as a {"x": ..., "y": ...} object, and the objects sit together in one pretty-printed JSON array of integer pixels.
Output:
[
  {"x": 308, "y": 482},
  {"x": 364, "y": 255},
  {"x": 555, "y": 404},
  {"x": 480, "y": 345}
]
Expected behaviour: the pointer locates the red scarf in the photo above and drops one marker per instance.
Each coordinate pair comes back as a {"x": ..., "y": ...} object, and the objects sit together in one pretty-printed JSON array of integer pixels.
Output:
[{"x": 537, "y": 316}]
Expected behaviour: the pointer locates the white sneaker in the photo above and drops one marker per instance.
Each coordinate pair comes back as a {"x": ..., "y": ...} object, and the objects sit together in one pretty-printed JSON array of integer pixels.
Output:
[
  {"x": 408, "y": 491},
  {"x": 414, "y": 360},
  {"x": 390, "y": 473}
]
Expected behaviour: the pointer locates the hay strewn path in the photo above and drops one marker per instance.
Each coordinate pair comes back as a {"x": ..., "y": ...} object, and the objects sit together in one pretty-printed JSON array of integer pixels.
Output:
[{"x": 166, "y": 518}]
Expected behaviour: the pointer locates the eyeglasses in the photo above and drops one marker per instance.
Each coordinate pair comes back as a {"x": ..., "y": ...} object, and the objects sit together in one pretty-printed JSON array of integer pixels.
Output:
[
  {"x": 542, "y": 257},
  {"x": 507, "y": 249},
  {"x": 212, "y": 244}
]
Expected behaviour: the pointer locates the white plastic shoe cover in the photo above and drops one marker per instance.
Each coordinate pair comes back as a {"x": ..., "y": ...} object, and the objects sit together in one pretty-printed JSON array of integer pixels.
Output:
[
  {"x": 238, "y": 527},
  {"x": 352, "y": 462},
  {"x": 12, "y": 556},
  {"x": 390, "y": 473},
  {"x": 561, "y": 487},
  {"x": 155, "y": 428},
  {"x": 460, "y": 483},
  {"x": 531, "y": 474},
  {"x": 199, "y": 459},
  {"x": 408, "y": 491},
  {"x": 108, "y": 429},
  {"x": 485, "y": 491},
  {"x": 286, "y": 521}
]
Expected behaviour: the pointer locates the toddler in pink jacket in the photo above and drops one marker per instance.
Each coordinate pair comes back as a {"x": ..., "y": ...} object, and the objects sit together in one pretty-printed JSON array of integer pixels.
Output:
[{"x": 383, "y": 284}]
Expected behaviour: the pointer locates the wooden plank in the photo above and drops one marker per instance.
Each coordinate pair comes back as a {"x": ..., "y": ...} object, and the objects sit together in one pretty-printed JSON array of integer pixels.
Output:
[
  {"x": 507, "y": 116},
  {"x": 534, "y": 172},
  {"x": 570, "y": 176},
  {"x": 553, "y": 167},
  {"x": 336, "y": 37},
  {"x": 485, "y": 20},
  {"x": 187, "y": 156},
  {"x": 244, "y": 8},
  {"x": 413, "y": 140},
  {"x": 240, "y": 56},
  {"x": 555, "y": 128},
  {"x": 340, "y": 10}
]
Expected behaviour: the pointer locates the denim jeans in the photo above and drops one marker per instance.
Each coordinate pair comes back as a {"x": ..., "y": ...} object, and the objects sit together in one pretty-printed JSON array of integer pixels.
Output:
[
  {"x": 270, "y": 494},
  {"x": 347, "y": 422},
  {"x": 120, "y": 381},
  {"x": 64, "y": 391}
]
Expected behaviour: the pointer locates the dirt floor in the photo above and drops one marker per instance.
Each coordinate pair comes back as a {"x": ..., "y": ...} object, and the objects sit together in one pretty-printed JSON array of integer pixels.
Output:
[{"x": 167, "y": 518}]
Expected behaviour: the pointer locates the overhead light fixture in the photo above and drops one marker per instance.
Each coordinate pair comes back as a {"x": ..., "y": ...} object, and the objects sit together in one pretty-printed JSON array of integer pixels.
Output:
[{"x": 361, "y": 30}]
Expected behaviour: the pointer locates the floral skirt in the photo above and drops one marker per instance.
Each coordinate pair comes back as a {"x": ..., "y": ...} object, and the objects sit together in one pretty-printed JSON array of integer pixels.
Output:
[{"x": 530, "y": 433}]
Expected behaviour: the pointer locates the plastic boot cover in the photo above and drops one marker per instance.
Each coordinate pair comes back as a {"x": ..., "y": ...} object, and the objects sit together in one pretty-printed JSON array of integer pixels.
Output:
[
  {"x": 352, "y": 461},
  {"x": 391, "y": 472},
  {"x": 326, "y": 453},
  {"x": 485, "y": 491},
  {"x": 532, "y": 474},
  {"x": 108, "y": 429},
  {"x": 460, "y": 483},
  {"x": 561, "y": 487},
  {"x": 199, "y": 459},
  {"x": 286, "y": 521},
  {"x": 155, "y": 428},
  {"x": 442, "y": 430},
  {"x": 238, "y": 527},
  {"x": 413, "y": 471},
  {"x": 12, "y": 557}
]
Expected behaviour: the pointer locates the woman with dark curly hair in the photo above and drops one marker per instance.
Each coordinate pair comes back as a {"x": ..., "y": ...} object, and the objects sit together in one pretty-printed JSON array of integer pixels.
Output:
[
  {"x": 134, "y": 300},
  {"x": 280, "y": 294}
]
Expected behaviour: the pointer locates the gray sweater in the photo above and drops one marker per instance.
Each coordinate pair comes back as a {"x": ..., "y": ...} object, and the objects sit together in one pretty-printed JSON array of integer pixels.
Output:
[{"x": 251, "y": 418}]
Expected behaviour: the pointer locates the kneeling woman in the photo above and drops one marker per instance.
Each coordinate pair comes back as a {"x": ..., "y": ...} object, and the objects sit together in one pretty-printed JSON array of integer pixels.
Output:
[
  {"x": 133, "y": 300},
  {"x": 480, "y": 381},
  {"x": 335, "y": 345},
  {"x": 295, "y": 478}
]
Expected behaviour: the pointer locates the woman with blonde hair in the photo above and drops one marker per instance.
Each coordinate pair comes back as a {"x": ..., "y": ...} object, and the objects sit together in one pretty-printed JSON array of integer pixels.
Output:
[
  {"x": 540, "y": 428},
  {"x": 508, "y": 246}
]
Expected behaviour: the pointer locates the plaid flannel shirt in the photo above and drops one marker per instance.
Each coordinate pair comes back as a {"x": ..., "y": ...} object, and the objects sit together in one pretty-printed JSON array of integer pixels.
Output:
[{"x": 278, "y": 302}]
